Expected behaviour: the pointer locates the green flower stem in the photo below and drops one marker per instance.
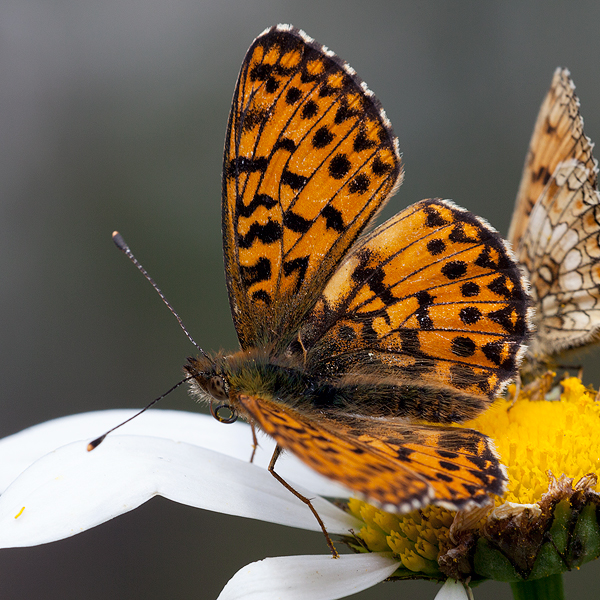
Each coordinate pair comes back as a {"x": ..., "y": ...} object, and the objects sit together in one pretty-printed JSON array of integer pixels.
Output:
[{"x": 546, "y": 588}]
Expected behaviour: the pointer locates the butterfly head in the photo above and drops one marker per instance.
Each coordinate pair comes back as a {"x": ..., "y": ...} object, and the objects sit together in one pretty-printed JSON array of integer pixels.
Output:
[{"x": 211, "y": 384}]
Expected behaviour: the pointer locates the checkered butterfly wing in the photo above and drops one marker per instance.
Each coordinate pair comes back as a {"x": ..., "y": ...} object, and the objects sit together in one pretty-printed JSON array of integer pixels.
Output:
[
  {"x": 309, "y": 159},
  {"x": 555, "y": 228}
]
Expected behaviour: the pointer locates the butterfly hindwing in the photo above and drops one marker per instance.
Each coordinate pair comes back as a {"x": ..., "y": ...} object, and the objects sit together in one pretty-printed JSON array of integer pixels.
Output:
[
  {"x": 432, "y": 296},
  {"x": 309, "y": 159},
  {"x": 398, "y": 464},
  {"x": 561, "y": 251}
]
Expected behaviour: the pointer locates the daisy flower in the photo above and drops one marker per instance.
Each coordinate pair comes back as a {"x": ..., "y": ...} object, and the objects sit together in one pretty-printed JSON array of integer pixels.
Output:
[{"x": 545, "y": 524}]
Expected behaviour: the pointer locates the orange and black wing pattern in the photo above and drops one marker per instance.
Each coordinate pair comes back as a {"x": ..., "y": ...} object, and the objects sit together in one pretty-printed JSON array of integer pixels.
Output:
[
  {"x": 432, "y": 297},
  {"x": 398, "y": 465},
  {"x": 309, "y": 159},
  {"x": 359, "y": 351}
]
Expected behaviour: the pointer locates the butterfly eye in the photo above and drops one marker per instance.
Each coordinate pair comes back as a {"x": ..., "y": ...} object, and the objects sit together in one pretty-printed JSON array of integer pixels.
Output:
[{"x": 217, "y": 388}]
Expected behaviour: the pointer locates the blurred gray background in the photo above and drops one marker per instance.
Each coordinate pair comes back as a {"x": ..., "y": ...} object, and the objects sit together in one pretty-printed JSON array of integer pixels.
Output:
[{"x": 112, "y": 116}]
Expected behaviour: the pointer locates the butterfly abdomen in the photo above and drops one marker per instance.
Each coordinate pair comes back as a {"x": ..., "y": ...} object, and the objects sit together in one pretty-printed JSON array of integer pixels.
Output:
[{"x": 393, "y": 399}]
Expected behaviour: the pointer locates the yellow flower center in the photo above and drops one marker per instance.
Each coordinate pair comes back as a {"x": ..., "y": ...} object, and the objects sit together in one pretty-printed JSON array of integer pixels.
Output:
[
  {"x": 537, "y": 436},
  {"x": 416, "y": 538},
  {"x": 532, "y": 437}
]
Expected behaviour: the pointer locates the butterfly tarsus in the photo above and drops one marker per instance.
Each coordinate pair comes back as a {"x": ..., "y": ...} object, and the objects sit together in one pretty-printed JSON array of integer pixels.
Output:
[
  {"x": 518, "y": 384},
  {"x": 304, "y": 499}
]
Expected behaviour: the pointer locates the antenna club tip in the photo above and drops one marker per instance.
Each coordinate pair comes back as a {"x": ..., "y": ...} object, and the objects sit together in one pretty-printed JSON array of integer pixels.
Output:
[
  {"x": 119, "y": 241},
  {"x": 95, "y": 443}
]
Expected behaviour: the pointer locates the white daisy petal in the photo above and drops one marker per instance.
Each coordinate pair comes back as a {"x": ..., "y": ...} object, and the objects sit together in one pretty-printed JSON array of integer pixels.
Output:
[
  {"x": 452, "y": 590},
  {"x": 71, "y": 490},
  {"x": 20, "y": 450},
  {"x": 314, "y": 577}
]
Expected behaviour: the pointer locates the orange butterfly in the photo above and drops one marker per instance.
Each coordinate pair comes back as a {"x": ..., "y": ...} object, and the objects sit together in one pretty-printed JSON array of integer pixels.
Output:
[{"x": 350, "y": 343}]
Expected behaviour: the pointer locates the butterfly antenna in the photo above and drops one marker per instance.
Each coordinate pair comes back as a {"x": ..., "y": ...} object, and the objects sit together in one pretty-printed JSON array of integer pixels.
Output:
[
  {"x": 95, "y": 443},
  {"x": 122, "y": 245}
]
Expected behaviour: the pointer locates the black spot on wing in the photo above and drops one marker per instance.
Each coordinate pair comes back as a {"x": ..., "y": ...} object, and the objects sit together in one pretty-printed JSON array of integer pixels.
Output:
[
  {"x": 326, "y": 90},
  {"x": 268, "y": 233},
  {"x": 379, "y": 168},
  {"x": 333, "y": 218},
  {"x": 254, "y": 117},
  {"x": 261, "y": 271},
  {"x": 449, "y": 466},
  {"x": 299, "y": 265},
  {"x": 425, "y": 300},
  {"x": 258, "y": 200},
  {"x": 469, "y": 289},
  {"x": 493, "y": 260},
  {"x": 542, "y": 174},
  {"x": 505, "y": 317},
  {"x": 459, "y": 235},
  {"x": 266, "y": 71},
  {"x": 499, "y": 286},
  {"x": 447, "y": 454},
  {"x": 436, "y": 246},
  {"x": 322, "y": 138},
  {"x": 261, "y": 296},
  {"x": 362, "y": 142},
  {"x": 295, "y": 181},
  {"x": 469, "y": 315},
  {"x": 495, "y": 352},
  {"x": 463, "y": 346},
  {"x": 271, "y": 85},
  {"x": 364, "y": 274},
  {"x": 295, "y": 222},
  {"x": 241, "y": 164},
  {"x": 434, "y": 218},
  {"x": 360, "y": 184},
  {"x": 292, "y": 95},
  {"x": 339, "y": 166},
  {"x": 345, "y": 112},
  {"x": 309, "y": 110},
  {"x": 454, "y": 269},
  {"x": 285, "y": 144}
]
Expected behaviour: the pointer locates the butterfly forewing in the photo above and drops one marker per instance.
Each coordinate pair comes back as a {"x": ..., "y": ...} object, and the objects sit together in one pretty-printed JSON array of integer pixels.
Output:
[
  {"x": 397, "y": 464},
  {"x": 309, "y": 159},
  {"x": 433, "y": 296}
]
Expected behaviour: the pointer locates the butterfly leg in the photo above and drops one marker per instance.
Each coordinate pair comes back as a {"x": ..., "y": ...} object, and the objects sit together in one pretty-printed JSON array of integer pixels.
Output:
[
  {"x": 254, "y": 443},
  {"x": 517, "y": 390},
  {"x": 539, "y": 388},
  {"x": 304, "y": 499}
]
